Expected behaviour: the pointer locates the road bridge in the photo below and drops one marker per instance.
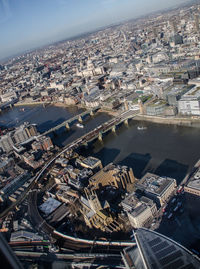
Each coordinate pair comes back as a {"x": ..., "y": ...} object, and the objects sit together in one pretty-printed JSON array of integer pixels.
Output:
[{"x": 71, "y": 121}]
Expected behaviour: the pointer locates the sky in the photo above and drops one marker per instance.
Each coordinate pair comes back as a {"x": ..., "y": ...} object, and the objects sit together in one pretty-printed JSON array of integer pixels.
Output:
[{"x": 26, "y": 24}]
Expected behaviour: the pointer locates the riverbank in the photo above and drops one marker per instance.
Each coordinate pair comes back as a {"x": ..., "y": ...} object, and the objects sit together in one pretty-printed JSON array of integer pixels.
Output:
[
  {"x": 60, "y": 104},
  {"x": 180, "y": 121},
  {"x": 32, "y": 103}
]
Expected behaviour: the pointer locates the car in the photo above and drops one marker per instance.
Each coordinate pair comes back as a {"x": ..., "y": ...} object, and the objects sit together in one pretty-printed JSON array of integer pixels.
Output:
[{"x": 170, "y": 216}]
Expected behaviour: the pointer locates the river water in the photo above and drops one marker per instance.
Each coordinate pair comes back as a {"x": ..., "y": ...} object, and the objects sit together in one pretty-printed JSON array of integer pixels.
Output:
[
  {"x": 164, "y": 149},
  {"x": 167, "y": 150}
]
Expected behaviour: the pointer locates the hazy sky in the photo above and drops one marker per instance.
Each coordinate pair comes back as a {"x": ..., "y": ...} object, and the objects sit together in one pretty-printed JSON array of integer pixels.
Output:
[{"x": 25, "y": 24}]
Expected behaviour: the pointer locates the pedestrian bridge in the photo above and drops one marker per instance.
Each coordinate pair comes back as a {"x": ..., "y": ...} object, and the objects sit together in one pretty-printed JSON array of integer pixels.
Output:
[{"x": 71, "y": 121}]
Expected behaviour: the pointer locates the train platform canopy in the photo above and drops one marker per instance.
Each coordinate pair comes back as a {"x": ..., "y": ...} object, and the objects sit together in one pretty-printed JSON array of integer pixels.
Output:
[
  {"x": 25, "y": 236},
  {"x": 49, "y": 206}
]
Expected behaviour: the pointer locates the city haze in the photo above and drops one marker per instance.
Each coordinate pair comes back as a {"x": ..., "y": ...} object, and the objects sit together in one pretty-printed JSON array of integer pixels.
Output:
[{"x": 29, "y": 24}]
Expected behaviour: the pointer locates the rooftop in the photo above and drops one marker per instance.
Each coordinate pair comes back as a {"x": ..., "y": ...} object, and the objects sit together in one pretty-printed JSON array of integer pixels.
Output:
[
  {"x": 194, "y": 182},
  {"x": 90, "y": 161},
  {"x": 155, "y": 184},
  {"x": 159, "y": 251}
]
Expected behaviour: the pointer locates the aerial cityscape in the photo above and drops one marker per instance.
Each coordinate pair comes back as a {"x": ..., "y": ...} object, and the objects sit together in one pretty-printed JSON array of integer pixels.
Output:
[{"x": 99, "y": 147}]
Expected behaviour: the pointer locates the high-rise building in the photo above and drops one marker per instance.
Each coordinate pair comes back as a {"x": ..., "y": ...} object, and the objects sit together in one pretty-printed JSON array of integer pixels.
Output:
[
  {"x": 196, "y": 17},
  {"x": 173, "y": 25}
]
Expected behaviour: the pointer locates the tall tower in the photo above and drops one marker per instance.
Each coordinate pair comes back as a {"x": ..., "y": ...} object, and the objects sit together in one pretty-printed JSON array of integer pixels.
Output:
[
  {"x": 126, "y": 105},
  {"x": 173, "y": 25},
  {"x": 196, "y": 17},
  {"x": 93, "y": 200},
  {"x": 141, "y": 106}
]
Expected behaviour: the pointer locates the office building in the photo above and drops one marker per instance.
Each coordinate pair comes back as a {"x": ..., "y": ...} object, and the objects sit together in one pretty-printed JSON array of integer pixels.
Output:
[
  {"x": 20, "y": 135},
  {"x": 157, "y": 188},
  {"x": 189, "y": 104},
  {"x": 193, "y": 186},
  {"x": 90, "y": 162},
  {"x": 31, "y": 130},
  {"x": 6, "y": 142},
  {"x": 141, "y": 211}
]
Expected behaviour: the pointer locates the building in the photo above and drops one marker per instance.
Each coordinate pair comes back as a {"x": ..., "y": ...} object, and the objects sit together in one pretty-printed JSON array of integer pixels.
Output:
[
  {"x": 157, "y": 188},
  {"x": 90, "y": 162},
  {"x": 20, "y": 135},
  {"x": 42, "y": 143},
  {"x": 31, "y": 130},
  {"x": 77, "y": 178},
  {"x": 155, "y": 107},
  {"x": 97, "y": 214},
  {"x": 176, "y": 40},
  {"x": 175, "y": 92},
  {"x": 114, "y": 175},
  {"x": 49, "y": 206},
  {"x": 15, "y": 184},
  {"x": 196, "y": 17},
  {"x": 156, "y": 251},
  {"x": 193, "y": 186},
  {"x": 6, "y": 142},
  {"x": 189, "y": 103},
  {"x": 141, "y": 211},
  {"x": 24, "y": 236}
]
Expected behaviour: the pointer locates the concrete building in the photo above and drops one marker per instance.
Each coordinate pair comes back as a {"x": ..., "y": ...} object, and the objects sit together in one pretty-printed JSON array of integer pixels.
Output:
[
  {"x": 175, "y": 92},
  {"x": 20, "y": 135},
  {"x": 157, "y": 188},
  {"x": 189, "y": 104},
  {"x": 193, "y": 186},
  {"x": 114, "y": 175},
  {"x": 90, "y": 162},
  {"x": 140, "y": 211},
  {"x": 155, "y": 108},
  {"x": 6, "y": 142}
]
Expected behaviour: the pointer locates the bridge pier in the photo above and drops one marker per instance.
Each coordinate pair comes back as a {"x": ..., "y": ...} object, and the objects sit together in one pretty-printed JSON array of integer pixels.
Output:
[
  {"x": 85, "y": 144},
  {"x": 114, "y": 129},
  {"x": 100, "y": 137},
  {"x": 67, "y": 126},
  {"x": 126, "y": 122},
  {"x": 80, "y": 119}
]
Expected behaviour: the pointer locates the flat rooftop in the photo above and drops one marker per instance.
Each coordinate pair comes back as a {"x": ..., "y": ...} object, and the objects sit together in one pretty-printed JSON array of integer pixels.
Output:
[
  {"x": 194, "y": 182},
  {"x": 155, "y": 184},
  {"x": 138, "y": 210},
  {"x": 90, "y": 161},
  {"x": 193, "y": 93},
  {"x": 178, "y": 89}
]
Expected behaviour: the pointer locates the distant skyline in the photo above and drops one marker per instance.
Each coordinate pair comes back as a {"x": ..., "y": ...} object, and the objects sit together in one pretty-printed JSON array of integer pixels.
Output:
[{"x": 27, "y": 24}]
